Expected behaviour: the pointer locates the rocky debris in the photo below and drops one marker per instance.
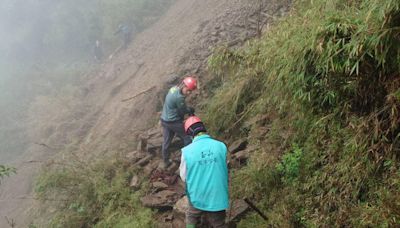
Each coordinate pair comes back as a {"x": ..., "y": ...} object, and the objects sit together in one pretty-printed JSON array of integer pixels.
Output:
[
  {"x": 237, "y": 210},
  {"x": 154, "y": 132},
  {"x": 181, "y": 206},
  {"x": 158, "y": 186},
  {"x": 173, "y": 167},
  {"x": 134, "y": 156},
  {"x": 142, "y": 144},
  {"x": 167, "y": 190},
  {"x": 149, "y": 168},
  {"x": 241, "y": 156},
  {"x": 238, "y": 145},
  {"x": 154, "y": 144},
  {"x": 163, "y": 200},
  {"x": 142, "y": 162},
  {"x": 135, "y": 183},
  {"x": 167, "y": 178},
  {"x": 168, "y": 217},
  {"x": 168, "y": 220}
]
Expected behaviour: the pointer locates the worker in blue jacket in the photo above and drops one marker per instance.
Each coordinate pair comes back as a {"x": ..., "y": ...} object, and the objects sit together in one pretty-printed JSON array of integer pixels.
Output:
[{"x": 204, "y": 170}]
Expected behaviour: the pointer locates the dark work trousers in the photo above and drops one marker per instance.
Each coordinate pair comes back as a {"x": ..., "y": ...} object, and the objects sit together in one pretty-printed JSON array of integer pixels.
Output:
[
  {"x": 169, "y": 131},
  {"x": 215, "y": 218}
]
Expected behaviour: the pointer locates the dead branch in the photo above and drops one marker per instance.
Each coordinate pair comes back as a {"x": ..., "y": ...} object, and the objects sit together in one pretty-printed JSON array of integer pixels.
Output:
[
  {"x": 142, "y": 92},
  {"x": 45, "y": 145}
]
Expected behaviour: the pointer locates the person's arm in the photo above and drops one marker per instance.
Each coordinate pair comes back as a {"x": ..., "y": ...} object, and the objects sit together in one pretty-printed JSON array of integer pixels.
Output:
[
  {"x": 182, "y": 169},
  {"x": 182, "y": 108}
]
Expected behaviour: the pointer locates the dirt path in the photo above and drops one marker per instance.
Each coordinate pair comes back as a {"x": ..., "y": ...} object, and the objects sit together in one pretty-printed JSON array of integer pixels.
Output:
[{"x": 179, "y": 43}]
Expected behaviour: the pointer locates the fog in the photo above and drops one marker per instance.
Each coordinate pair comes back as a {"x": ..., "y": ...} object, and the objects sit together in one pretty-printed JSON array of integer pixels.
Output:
[{"x": 45, "y": 45}]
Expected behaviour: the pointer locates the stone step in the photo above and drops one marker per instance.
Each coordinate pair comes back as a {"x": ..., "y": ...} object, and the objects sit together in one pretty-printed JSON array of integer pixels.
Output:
[{"x": 163, "y": 200}]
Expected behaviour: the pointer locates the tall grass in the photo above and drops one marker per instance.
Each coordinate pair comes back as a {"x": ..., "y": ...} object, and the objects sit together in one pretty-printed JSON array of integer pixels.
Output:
[
  {"x": 92, "y": 194},
  {"x": 327, "y": 77}
]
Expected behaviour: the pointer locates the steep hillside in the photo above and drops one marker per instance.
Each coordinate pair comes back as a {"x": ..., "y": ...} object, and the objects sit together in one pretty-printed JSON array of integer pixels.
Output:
[
  {"x": 177, "y": 45},
  {"x": 94, "y": 120},
  {"x": 318, "y": 100}
]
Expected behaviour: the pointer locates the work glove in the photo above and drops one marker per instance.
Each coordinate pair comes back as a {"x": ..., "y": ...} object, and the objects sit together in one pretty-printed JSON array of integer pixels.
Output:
[{"x": 191, "y": 111}]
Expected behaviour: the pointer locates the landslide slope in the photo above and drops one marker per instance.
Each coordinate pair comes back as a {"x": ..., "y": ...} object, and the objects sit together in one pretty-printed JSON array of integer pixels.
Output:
[
  {"x": 178, "y": 44},
  {"x": 96, "y": 120}
]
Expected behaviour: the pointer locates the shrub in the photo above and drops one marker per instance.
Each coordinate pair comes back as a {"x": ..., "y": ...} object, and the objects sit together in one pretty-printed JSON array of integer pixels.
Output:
[
  {"x": 93, "y": 194},
  {"x": 329, "y": 76},
  {"x": 6, "y": 171}
]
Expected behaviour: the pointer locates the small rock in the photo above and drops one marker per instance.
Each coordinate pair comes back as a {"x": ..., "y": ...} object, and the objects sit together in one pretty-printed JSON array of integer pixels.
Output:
[
  {"x": 134, "y": 156},
  {"x": 173, "y": 168},
  {"x": 168, "y": 217},
  {"x": 181, "y": 206},
  {"x": 163, "y": 200},
  {"x": 142, "y": 162},
  {"x": 142, "y": 144},
  {"x": 134, "y": 182},
  {"x": 154, "y": 132},
  {"x": 159, "y": 185},
  {"x": 148, "y": 169},
  {"x": 238, "y": 145},
  {"x": 242, "y": 155},
  {"x": 237, "y": 210},
  {"x": 154, "y": 144}
]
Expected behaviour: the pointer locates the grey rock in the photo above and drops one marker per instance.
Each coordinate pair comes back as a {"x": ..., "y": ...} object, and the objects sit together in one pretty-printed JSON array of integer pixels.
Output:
[
  {"x": 161, "y": 200},
  {"x": 134, "y": 156},
  {"x": 142, "y": 162},
  {"x": 159, "y": 185},
  {"x": 238, "y": 145},
  {"x": 142, "y": 144},
  {"x": 181, "y": 206},
  {"x": 135, "y": 183},
  {"x": 237, "y": 210}
]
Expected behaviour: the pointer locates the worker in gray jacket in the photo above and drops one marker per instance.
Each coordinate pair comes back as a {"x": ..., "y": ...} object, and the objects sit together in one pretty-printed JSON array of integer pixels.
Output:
[{"x": 173, "y": 112}]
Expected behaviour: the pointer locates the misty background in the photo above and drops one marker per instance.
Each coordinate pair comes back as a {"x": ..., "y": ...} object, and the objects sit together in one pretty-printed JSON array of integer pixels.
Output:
[{"x": 45, "y": 48}]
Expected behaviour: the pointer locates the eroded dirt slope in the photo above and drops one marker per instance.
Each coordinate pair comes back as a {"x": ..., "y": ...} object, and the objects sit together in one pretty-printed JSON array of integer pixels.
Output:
[{"x": 178, "y": 44}]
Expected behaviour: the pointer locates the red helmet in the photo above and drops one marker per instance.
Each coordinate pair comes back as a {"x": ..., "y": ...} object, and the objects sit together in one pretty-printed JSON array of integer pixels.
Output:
[
  {"x": 190, "y": 82},
  {"x": 190, "y": 121}
]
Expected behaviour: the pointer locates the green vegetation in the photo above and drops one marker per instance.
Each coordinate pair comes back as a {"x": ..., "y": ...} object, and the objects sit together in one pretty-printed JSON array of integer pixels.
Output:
[
  {"x": 326, "y": 79},
  {"x": 93, "y": 194},
  {"x": 6, "y": 171}
]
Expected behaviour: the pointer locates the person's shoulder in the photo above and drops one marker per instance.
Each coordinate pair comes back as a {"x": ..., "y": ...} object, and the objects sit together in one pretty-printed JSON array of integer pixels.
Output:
[
  {"x": 187, "y": 148},
  {"x": 218, "y": 142},
  {"x": 173, "y": 89}
]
